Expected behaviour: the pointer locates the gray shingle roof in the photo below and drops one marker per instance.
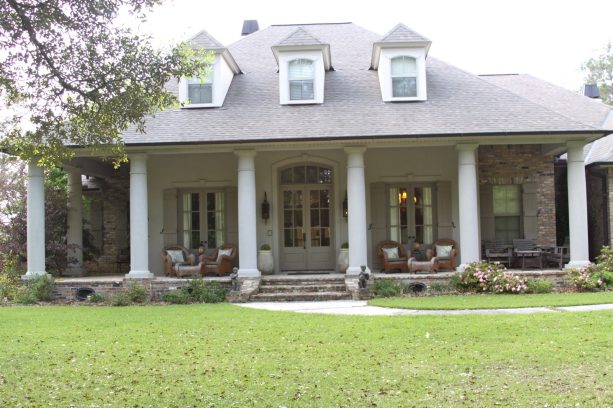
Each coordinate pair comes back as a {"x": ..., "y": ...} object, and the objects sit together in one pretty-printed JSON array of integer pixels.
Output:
[
  {"x": 458, "y": 103},
  {"x": 204, "y": 40},
  {"x": 402, "y": 33},
  {"x": 299, "y": 37}
]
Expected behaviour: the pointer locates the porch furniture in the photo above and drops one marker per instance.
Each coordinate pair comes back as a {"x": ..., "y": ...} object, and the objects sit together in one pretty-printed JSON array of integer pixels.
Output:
[
  {"x": 173, "y": 255},
  {"x": 446, "y": 252},
  {"x": 526, "y": 249},
  {"x": 123, "y": 259},
  {"x": 499, "y": 251},
  {"x": 428, "y": 266},
  {"x": 558, "y": 255},
  {"x": 219, "y": 262},
  {"x": 395, "y": 256}
]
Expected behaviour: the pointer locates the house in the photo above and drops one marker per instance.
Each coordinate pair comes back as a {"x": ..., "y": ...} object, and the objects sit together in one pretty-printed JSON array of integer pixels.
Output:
[{"x": 349, "y": 136}]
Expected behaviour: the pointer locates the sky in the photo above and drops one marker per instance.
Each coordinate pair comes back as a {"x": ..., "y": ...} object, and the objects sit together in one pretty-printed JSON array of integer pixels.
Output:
[{"x": 545, "y": 38}]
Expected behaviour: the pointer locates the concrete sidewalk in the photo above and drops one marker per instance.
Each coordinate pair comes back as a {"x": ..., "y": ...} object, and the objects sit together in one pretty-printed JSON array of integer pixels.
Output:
[{"x": 360, "y": 307}]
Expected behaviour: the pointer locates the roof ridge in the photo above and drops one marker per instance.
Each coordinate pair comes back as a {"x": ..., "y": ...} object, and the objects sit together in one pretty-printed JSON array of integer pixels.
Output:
[
  {"x": 208, "y": 36},
  {"x": 402, "y": 27},
  {"x": 308, "y": 24},
  {"x": 300, "y": 31}
]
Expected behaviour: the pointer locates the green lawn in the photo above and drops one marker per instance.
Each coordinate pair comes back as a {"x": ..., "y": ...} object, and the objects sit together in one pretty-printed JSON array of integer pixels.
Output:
[
  {"x": 223, "y": 355},
  {"x": 453, "y": 302}
]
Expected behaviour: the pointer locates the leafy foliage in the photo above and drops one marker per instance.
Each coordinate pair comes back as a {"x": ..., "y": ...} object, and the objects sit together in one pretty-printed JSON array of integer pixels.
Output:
[
  {"x": 197, "y": 291},
  {"x": 539, "y": 286},
  {"x": 386, "y": 288},
  {"x": 36, "y": 289},
  {"x": 599, "y": 70},
  {"x": 488, "y": 277},
  {"x": 71, "y": 75},
  {"x": 597, "y": 276},
  {"x": 134, "y": 293}
]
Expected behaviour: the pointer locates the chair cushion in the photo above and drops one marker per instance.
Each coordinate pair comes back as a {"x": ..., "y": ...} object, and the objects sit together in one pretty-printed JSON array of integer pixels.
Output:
[
  {"x": 392, "y": 253},
  {"x": 176, "y": 255},
  {"x": 444, "y": 251},
  {"x": 223, "y": 252}
]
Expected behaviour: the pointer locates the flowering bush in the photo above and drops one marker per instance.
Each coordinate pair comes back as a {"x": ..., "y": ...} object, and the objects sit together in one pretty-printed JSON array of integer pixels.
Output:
[
  {"x": 488, "y": 277},
  {"x": 598, "y": 276}
]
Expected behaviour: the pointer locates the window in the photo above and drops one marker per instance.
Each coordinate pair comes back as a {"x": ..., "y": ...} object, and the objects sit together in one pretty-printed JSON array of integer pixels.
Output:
[
  {"x": 200, "y": 91},
  {"x": 411, "y": 214},
  {"x": 404, "y": 77},
  {"x": 507, "y": 212},
  {"x": 301, "y": 74},
  {"x": 202, "y": 219}
]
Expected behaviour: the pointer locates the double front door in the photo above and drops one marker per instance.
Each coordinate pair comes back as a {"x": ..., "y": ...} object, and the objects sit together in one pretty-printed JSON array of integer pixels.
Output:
[{"x": 306, "y": 228}]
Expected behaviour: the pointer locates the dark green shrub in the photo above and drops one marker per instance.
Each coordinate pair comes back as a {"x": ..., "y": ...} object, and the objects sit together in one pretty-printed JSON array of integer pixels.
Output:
[
  {"x": 121, "y": 299},
  {"x": 386, "y": 288},
  {"x": 440, "y": 288},
  {"x": 178, "y": 297},
  {"x": 540, "y": 286},
  {"x": 137, "y": 293},
  {"x": 25, "y": 296},
  {"x": 202, "y": 291},
  {"x": 96, "y": 298},
  {"x": 35, "y": 289}
]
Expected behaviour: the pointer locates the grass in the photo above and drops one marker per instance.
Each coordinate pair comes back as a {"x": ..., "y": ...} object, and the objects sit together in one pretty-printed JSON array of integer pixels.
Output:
[
  {"x": 223, "y": 355},
  {"x": 454, "y": 302}
]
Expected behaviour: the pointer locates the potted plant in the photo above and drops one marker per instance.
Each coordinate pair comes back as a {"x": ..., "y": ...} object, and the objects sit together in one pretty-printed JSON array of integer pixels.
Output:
[
  {"x": 343, "y": 258},
  {"x": 265, "y": 260}
]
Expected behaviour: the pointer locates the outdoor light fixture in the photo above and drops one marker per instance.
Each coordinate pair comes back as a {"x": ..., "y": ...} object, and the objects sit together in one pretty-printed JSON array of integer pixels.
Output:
[{"x": 265, "y": 209}]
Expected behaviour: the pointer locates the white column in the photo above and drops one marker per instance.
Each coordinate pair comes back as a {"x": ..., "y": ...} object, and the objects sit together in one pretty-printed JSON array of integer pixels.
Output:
[
  {"x": 247, "y": 215},
  {"x": 36, "y": 222},
  {"x": 139, "y": 219},
  {"x": 357, "y": 225},
  {"x": 577, "y": 206},
  {"x": 74, "y": 236},
  {"x": 469, "y": 209}
]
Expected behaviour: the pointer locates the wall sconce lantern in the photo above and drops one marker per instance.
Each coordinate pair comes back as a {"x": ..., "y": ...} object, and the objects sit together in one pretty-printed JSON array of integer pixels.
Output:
[
  {"x": 345, "y": 209},
  {"x": 265, "y": 209}
]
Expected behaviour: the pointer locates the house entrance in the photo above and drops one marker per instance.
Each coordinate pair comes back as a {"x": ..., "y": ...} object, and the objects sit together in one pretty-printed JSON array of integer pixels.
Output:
[{"x": 306, "y": 225}]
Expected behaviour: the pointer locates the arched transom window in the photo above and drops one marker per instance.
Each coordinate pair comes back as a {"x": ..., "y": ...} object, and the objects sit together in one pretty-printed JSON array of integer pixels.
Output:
[
  {"x": 404, "y": 77},
  {"x": 306, "y": 174}
]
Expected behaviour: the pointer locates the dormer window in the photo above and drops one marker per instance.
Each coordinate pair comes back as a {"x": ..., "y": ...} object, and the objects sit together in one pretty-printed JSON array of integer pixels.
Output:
[
  {"x": 301, "y": 75},
  {"x": 200, "y": 91},
  {"x": 404, "y": 77}
]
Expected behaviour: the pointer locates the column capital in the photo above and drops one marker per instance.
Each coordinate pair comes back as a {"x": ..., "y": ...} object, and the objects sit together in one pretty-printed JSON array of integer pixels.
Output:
[
  {"x": 355, "y": 149},
  {"x": 34, "y": 170},
  {"x": 467, "y": 146},
  {"x": 575, "y": 150},
  {"x": 137, "y": 156},
  {"x": 245, "y": 152}
]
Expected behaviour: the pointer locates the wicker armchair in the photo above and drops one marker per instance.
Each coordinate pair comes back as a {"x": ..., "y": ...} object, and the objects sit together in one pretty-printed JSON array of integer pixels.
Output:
[
  {"x": 390, "y": 263},
  {"x": 173, "y": 256},
  {"x": 446, "y": 251},
  {"x": 219, "y": 262}
]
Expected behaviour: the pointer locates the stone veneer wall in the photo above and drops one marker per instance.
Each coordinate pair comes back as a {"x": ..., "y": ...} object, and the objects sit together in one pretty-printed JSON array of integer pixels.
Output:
[
  {"x": 113, "y": 203},
  {"x": 519, "y": 164}
]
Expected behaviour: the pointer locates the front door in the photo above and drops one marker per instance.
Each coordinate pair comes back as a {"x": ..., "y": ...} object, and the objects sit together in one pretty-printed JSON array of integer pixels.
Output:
[
  {"x": 306, "y": 235},
  {"x": 411, "y": 214}
]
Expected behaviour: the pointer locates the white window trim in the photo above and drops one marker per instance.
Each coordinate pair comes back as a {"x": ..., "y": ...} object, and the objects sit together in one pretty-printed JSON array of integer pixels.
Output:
[
  {"x": 285, "y": 58},
  {"x": 220, "y": 78},
  {"x": 289, "y": 79},
  {"x": 385, "y": 73}
]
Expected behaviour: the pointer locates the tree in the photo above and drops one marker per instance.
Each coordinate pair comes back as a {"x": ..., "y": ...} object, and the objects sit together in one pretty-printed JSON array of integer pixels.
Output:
[
  {"x": 599, "y": 70},
  {"x": 71, "y": 75}
]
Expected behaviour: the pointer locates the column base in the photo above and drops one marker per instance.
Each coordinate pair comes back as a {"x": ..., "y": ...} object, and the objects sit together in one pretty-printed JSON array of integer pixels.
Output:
[
  {"x": 356, "y": 270},
  {"x": 139, "y": 275},
  {"x": 249, "y": 273},
  {"x": 35, "y": 274},
  {"x": 576, "y": 265}
]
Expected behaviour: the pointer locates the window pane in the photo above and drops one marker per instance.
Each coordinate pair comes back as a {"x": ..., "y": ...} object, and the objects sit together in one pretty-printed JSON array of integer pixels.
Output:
[
  {"x": 299, "y": 176},
  {"x": 325, "y": 237},
  {"x": 314, "y": 194},
  {"x": 200, "y": 93},
  {"x": 404, "y": 87},
  {"x": 301, "y": 90},
  {"x": 287, "y": 199},
  {"x": 286, "y": 176},
  {"x": 301, "y": 69},
  {"x": 404, "y": 66},
  {"x": 288, "y": 240},
  {"x": 288, "y": 220},
  {"x": 507, "y": 199},
  {"x": 325, "y": 218},
  {"x": 298, "y": 199},
  {"x": 315, "y": 237},
  {"x": 311, "y": 177},
  {"x": 325, "y": 176},
  {"x": 314, "y": 218},
  {"x": 507, "y": 228}
]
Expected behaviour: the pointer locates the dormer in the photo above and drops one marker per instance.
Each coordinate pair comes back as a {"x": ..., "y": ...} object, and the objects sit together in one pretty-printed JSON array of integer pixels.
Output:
[
  {"x": 400, "y": 59},
  {"x": 303, "y": 61},
  {"x": 209, "y": 92}
]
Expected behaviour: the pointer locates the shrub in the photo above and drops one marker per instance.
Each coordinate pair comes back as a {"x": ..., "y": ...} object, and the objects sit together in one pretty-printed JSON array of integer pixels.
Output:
[
  {"x": 197, "y": 291},
  {"x": 540, "y": 286},
  {"x": 8, "y": 288},
  {"x": 440, "y": 288},
  {"x": 598, "y": 276},
  {"x": 488, "y": 277},
  {"x": 265, "y": 247},
  {"x": 96, "y": 298},
  {"x": 121, "y": 299},
  {"x": 36, "y": 289},
  {"x": 137, "y": 293},
  {"x": 386, "y": 288},
  {"x": 25, "y": 296}
]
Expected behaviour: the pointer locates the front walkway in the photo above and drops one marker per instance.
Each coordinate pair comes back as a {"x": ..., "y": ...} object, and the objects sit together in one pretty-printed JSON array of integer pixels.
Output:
[{"x": 361, "y": 308}]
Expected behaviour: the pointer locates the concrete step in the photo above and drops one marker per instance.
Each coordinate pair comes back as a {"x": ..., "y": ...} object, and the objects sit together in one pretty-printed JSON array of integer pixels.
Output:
[
  {"x": 303, "y": 288},
  {"x": 299, "y": 297},
  {"x": 298, "y": 282}
]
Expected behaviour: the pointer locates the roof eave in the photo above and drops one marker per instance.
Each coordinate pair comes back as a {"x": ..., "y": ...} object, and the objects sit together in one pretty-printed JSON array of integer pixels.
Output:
[
  {"x": 378, "y": 46},
  {"x": 324, "y": 48}
]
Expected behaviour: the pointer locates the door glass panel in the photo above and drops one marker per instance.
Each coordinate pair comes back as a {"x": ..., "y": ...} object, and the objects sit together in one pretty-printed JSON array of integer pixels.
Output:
[
  {"x": 324, "y": 198},
  {"x": 292, "y": 219},
  {"x": 325, "y": 176},
  {"x": 299, "y": 176},
  {"x": 311, "y": 177},
  {"x": 286, "y": 176},
  {"x": 424, "y": 225},
  {"x": 314, "y": 194}
]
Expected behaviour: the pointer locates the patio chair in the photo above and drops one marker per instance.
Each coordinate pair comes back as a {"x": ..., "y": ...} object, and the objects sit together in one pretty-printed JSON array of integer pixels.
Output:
[
  {"x": 527, "y": 249},
  {"x": 446, "y": 252},
  {"x": 176, "y": 255},
  {"x": 499, "y": 251},
  {"x": 395, "y": 256},
  {"x": 219, "y": 262},
  {"x": 558, "y": 255}
]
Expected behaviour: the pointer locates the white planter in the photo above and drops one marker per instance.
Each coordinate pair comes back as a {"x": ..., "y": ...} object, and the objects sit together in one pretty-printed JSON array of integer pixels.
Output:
[
  {"x": 343, "y": 260},
  {"x": 265, "y": 262}
]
